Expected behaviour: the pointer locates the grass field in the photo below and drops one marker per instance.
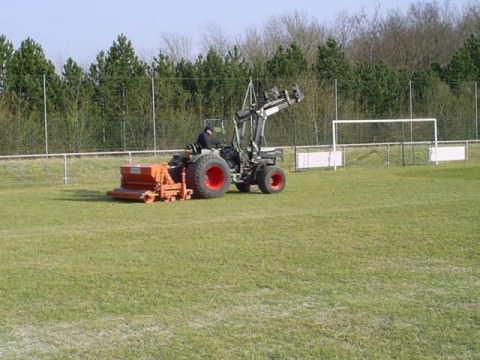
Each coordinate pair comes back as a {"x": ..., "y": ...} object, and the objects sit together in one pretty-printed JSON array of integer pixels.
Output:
[{"x": 354, "y": 264}]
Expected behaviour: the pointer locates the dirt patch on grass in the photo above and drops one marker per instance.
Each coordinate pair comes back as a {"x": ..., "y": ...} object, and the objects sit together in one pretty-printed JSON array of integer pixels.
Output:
[{"x": 41, "y": 340}]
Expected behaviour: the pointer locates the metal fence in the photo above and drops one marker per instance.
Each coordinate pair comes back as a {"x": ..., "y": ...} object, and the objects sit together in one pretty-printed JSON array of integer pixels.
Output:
[
  {"x": 103, "y": 167},
  {"x": 157, "y": 113},
  {"x": 388, "y": 154}
]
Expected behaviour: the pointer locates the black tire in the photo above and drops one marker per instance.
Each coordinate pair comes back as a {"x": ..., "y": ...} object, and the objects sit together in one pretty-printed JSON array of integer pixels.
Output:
[
  {"x": 271, "y": 180},
  {"x": 176, "y": 173},
  {"x": 243, "y": 187},
  {"x": 208, "y": 177}
]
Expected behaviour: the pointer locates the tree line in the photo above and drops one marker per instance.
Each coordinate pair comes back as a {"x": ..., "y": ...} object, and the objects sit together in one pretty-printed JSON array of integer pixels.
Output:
[{"x": 424, "y": 62}]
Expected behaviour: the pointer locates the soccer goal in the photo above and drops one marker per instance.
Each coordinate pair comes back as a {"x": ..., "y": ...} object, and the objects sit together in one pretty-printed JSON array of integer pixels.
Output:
[{"x": 335, "y": 124}]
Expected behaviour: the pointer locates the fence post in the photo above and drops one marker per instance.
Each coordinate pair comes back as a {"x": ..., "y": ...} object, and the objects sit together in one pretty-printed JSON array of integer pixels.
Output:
[
  {"x": 336, "y": 99},
  {"x": 410, "y": 85},
  {"x": 466, "y": 151},
  {"x": 295, "y": 143},
  {"x": 411, "y": 122},
  {"x": 334, "y": 144},
  {"x": 476, "y": 110},
  {"x": 45, "y": 119},
  {"x": 388, "y": 155},
  {"x": 154, "y": 120},
  {"x": 65, "y": 171}
]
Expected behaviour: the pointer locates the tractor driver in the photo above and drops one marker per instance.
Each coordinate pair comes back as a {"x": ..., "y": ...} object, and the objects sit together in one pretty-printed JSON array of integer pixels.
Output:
[{"x": 206, "y": 139}]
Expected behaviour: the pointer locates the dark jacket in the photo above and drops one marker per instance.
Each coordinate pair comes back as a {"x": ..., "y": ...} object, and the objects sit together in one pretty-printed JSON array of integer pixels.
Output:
[{"x": 206, "y": 141}]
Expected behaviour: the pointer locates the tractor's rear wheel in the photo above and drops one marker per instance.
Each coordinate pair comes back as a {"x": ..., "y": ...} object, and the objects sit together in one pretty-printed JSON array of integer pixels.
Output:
[
  {"x": 176, "y": 173},
  {"x": 208, "y": 177},
  {"x": 271, "y": 180}
]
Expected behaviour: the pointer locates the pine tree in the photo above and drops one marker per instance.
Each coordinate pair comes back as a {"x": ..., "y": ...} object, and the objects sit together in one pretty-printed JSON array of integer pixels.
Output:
[
  {"x": 77, "y": 122},
  {"x": 6, "y": 53},
  {"x": 27, "y": 67},
  {"x": 465, "y": 64},
  {"x": 287, "y": 63},
  {"x": 29, "y": 72},
  {"x": 122, "y": 81},
  {"x": 331, "y": 62}
]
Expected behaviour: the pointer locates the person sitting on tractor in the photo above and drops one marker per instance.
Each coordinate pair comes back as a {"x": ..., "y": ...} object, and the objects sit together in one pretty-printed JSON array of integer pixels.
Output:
[{"x": 206, "y": 139}]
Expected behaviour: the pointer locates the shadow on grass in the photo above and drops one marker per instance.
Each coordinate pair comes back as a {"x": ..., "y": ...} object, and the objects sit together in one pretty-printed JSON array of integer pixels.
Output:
[
  {"x": 86, "y": 195},
  {"x": 254, "y": 190}
]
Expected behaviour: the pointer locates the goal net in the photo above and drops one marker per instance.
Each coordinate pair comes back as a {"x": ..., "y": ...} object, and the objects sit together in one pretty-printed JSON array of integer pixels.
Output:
[{"x": 391, "y": 131}]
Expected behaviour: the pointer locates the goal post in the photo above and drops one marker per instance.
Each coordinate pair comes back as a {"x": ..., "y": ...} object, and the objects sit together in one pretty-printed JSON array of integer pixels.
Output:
[{"x": 336, "y": 122}]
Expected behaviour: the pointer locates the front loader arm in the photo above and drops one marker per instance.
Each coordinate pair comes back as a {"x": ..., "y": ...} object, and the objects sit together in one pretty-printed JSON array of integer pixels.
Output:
[{"x": 275, "y": 102}]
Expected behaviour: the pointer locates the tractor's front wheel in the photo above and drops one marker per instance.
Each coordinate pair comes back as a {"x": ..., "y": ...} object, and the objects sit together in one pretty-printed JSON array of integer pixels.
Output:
[
  {"x": 271, "y": 180},
  {"x": 208, "y": 177}
]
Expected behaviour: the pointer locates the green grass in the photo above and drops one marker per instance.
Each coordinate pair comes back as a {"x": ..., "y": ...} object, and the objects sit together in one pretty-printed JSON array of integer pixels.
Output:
[{"x": 354, "y": 264}]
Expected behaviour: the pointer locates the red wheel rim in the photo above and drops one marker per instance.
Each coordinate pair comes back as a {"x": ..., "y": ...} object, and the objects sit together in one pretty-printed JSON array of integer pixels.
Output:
[
  {"x": 276, "y": 181},
  {"x": 214, "y": 178}
]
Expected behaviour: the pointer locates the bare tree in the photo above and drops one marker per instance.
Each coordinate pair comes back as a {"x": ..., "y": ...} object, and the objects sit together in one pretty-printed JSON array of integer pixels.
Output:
[
  {"x": 214, "y": 38},
  {"x": 273, "y": 36},
  {"x": 366, "y": 35},
  {"x": 471, "y": 18},
  {"x": 342, "y": 29},
  {"x": 304, "y": 32},
  {"x": 427, "y": 32},
  {"x": 284, "y": 31},
  {"x": 252, "y": 46},
  {"x": 433, "y": 32},
  {"x": 176, "y": 47}
]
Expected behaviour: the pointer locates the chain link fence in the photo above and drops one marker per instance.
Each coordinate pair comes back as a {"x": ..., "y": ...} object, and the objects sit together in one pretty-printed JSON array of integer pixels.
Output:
[
  {"x": 94, "y": 168},
  {"x": 88, "y": 132},
  {"x": 153, "y": 113}
]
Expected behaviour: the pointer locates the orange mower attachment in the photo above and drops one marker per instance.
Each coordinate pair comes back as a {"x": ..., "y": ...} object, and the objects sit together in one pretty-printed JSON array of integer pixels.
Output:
[{"x": 149, "y": 182}]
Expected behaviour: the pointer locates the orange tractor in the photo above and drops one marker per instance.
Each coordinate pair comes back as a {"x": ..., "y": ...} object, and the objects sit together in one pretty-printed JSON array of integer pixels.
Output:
[{"x": 205, "y": 173}]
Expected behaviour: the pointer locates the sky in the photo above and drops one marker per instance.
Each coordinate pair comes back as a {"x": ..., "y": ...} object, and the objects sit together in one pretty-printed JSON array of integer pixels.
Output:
[{"x": 82, "y": 28}]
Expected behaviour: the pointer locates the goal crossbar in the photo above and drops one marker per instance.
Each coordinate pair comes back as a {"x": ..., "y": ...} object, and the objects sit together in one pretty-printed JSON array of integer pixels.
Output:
[{"x": 335, "y": 122}]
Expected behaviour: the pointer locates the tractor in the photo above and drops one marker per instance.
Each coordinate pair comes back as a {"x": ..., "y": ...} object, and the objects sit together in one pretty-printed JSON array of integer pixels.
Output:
[{"x": 244, "y": 161}]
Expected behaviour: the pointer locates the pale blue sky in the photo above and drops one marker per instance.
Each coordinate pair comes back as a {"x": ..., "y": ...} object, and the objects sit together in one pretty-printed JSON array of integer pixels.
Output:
[{"x": 81, "y": 28}]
